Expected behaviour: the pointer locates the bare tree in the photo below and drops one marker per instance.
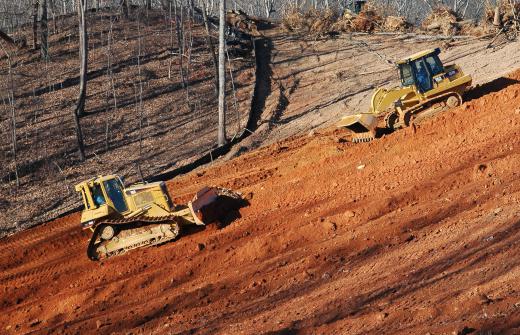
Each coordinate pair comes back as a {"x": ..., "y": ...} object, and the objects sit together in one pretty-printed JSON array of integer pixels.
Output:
[
  {"x": 222, "y": 75},
  {"x": 35, "y": 24},
  {"x": 269, "y": 7},
  {"x": 10, "y": 96},
  {"x": 179, "y": 26},
  {"x": 210, "y": 43},
  {"x": 83, "y": 55},
  {"x": 124, "y": 7},
  {"x": 44, "y": 32}
]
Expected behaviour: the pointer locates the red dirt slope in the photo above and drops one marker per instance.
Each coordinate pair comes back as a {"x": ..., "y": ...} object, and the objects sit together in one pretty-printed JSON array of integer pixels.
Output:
[{"x": 414, "y": 233}]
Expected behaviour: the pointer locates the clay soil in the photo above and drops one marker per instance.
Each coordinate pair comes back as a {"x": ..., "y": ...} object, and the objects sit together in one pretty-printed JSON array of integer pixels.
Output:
[{"x": 417, "y": 232}]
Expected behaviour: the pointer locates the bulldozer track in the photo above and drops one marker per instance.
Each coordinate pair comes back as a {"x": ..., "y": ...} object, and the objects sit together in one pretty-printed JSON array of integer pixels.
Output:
[
  {"x": 52, "y": 269},
  {"x": 92, "y": 253},
  {"x": 34, "y": 235}
]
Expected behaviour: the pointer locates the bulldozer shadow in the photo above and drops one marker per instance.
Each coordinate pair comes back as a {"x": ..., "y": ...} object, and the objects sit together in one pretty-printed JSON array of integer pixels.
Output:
[
  {"x": 229, "y": 210},
  {"x": 223, "y": 212},
  {"x": 492, "y": 87},
  {"x": 380, "y": 132}
]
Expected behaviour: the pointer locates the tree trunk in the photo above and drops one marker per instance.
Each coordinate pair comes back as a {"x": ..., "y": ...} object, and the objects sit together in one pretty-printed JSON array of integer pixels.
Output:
[
  {"x": 83, "y": 53},
  {"x": 124, "y": 7},
  {"x": 210, "y": 44},
  {"x": 53, "y": 11},
  {"x": 496, "y": 20},
  {"x": 179, "y": 26},
  {"x": 35, "y": 24},
  {"x": 222, "y": 75},
  {"x": 13, "y": 116},
  {"x": 44, "y": 32}
]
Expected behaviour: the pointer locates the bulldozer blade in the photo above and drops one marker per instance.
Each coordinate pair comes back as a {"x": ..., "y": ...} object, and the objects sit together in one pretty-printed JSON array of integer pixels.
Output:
[
  {"x": 202, "y": 199},
  {"x": 212, "y": 204},
  {"x": 362, "y": 125}
]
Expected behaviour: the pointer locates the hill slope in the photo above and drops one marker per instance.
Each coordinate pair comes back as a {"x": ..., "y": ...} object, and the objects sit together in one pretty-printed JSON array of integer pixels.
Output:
[{"x": 416, "y": 232}]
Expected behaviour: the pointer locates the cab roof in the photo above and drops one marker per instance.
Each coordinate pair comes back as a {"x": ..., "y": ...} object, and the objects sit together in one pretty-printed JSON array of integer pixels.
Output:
[
  {"x": 419, "y": 55},
  {"x": 95, "y": 180}
]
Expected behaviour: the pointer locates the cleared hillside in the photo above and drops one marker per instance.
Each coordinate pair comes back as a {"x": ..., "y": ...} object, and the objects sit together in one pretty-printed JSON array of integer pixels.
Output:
[{"x": 416, "y": 233}]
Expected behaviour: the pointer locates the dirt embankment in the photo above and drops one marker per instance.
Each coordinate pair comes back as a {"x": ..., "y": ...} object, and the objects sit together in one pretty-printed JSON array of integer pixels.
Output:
[
  {"x": 315, "y": 83},
  {"x": 416, "y": 233}
]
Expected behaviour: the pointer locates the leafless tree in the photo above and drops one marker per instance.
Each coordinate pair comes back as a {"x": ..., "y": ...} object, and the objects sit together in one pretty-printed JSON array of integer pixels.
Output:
[
  {"x": 221, "y": 140},
  {"x": 10, "y": 98},
  {"x": 125, "y": 9},
  {"x": 35, "y": 24},
  {"x": 210, "y": 43},
  {"x": 179, "y": 26},
  {"x": 83, "y": 55},
  {"x": 44, "y": 31}
]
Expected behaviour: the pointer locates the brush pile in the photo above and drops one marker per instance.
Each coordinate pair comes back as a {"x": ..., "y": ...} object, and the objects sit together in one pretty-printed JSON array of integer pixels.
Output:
[
  {"x": 313, "y": 22},
  {"x": 443, "y": 20},
  {"x": 328, "y": 22},
  {"x": 368, "y": 20},
  {"x": 507, "y": 11},
  {"x": 396, "y": 24},
  {"x": 345, "y": 22},
  {"x": 242, "y": 22}
]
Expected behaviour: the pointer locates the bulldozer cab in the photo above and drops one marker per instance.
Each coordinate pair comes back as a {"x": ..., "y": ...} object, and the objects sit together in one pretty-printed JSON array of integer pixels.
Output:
[
  {"x": 102, "y": 197},
  {"x": 421, "y": 70}
]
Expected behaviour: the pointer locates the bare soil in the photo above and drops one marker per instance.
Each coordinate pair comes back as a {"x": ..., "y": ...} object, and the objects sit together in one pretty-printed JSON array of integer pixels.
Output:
[{"x": 417, "y": 232}]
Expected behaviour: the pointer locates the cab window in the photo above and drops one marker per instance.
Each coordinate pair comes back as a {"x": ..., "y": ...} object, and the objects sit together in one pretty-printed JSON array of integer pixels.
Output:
[
  {"x": 114, "y": 191},
  {"x": 97, "y": 195},
  {"x": 435, "y": 65},
  {"x": 424, "y": 81},
  {"x": 406, "y": 75}
]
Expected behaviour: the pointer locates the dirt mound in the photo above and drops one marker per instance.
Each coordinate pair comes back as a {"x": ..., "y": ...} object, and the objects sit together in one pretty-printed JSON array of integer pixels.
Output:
[{"x": 339, "y": 238}]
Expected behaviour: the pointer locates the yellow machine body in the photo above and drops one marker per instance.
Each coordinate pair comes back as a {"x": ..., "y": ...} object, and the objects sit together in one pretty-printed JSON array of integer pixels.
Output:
[
  {"x": 427, "y": 86},
  {"x": 139, "y": 215}
]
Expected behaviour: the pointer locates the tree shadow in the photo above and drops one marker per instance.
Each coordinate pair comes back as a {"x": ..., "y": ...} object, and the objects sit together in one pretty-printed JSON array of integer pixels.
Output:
[{"x": 262, "y": 89}]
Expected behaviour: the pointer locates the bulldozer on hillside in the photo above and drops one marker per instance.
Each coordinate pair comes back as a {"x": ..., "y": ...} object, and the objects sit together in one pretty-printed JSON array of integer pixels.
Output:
[
  {"x": 124, "y": 218},
  {"x": 427, "y": 87}
]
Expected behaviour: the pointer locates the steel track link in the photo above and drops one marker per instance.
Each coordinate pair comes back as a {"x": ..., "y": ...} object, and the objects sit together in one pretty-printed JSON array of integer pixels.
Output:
[{"x": 91, "y": 249}]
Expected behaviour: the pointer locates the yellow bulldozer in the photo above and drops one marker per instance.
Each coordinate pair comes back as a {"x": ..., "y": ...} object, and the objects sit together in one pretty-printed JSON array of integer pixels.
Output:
[
  {"x": 427, "y": 87},
  {"x": 124, "y": 218}
]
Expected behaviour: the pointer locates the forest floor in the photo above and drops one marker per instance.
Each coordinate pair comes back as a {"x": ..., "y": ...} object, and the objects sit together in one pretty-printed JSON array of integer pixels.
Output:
[
  {"x": 157, "y": 125},
  {"x": 414, "y": 233}
]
